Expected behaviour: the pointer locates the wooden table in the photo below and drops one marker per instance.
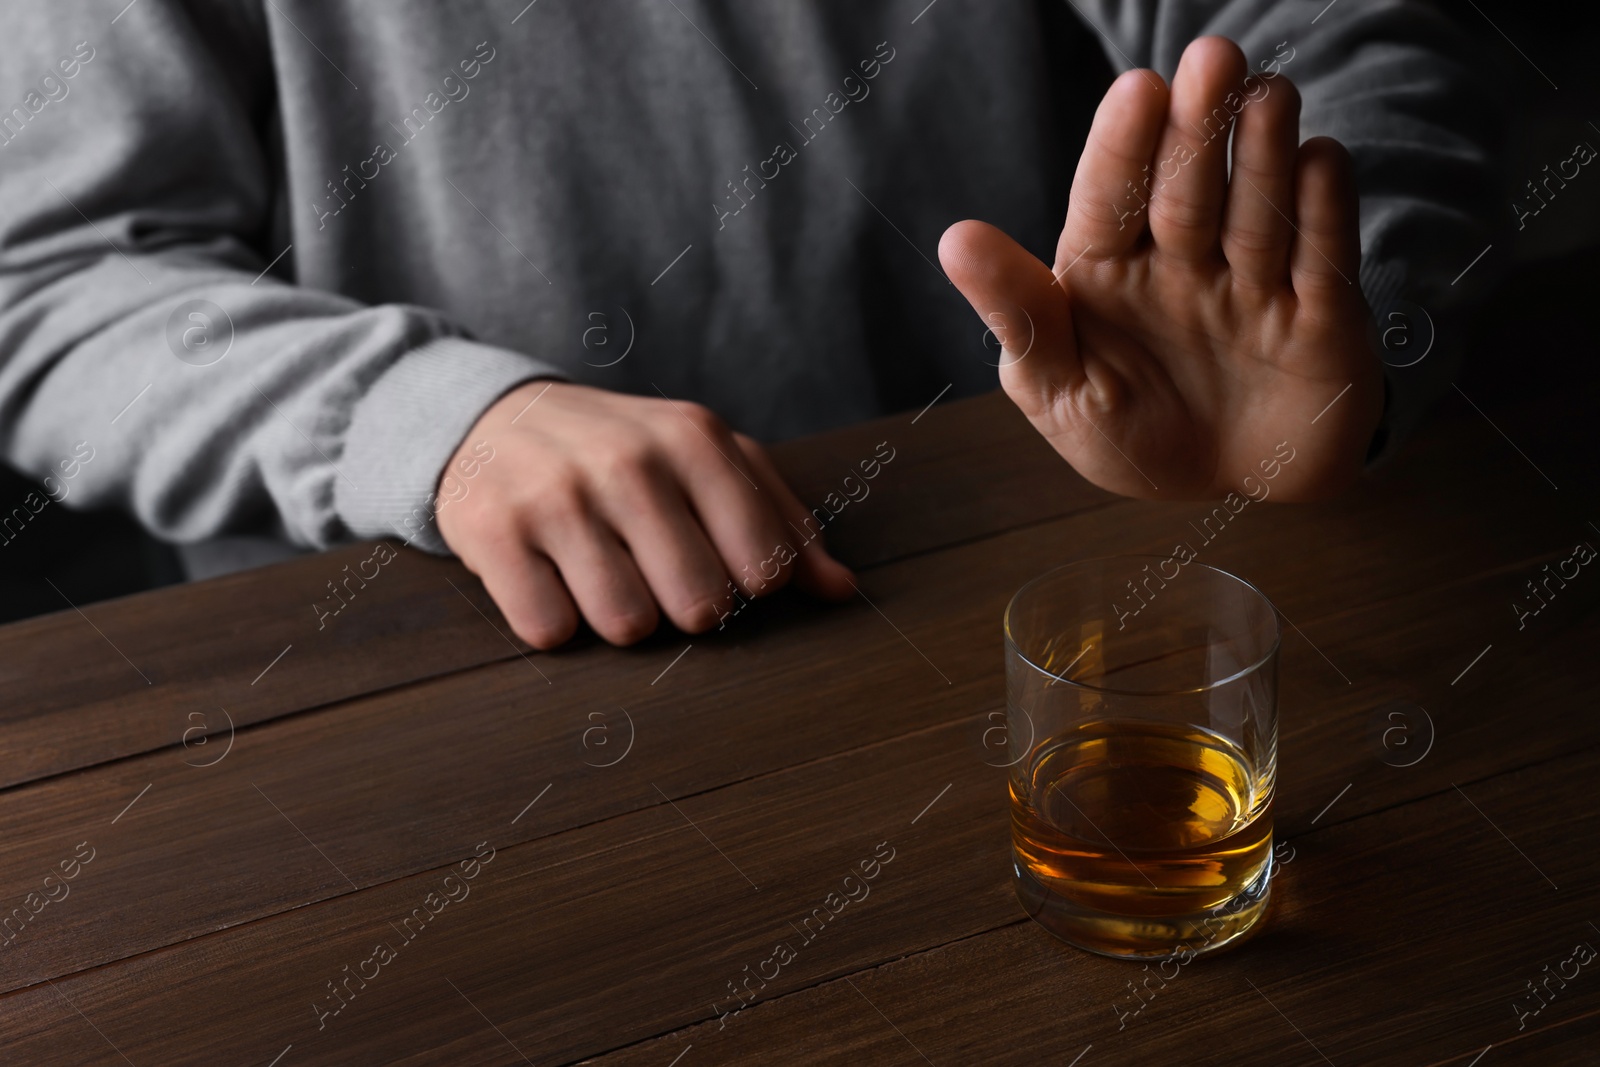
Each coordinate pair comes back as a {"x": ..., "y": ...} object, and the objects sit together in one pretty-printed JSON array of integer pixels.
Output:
[{"x": 214, "y": 812}]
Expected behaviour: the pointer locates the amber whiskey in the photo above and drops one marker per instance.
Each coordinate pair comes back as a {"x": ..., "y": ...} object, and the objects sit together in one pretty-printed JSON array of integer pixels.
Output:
[{"x": 1142, "y": 838}]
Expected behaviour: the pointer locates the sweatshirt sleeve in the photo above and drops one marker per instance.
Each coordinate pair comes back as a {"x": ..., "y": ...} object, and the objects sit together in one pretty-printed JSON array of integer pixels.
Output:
[
  {"x": 1392, "y": 80},
  {"x": 147, "y": 358}
]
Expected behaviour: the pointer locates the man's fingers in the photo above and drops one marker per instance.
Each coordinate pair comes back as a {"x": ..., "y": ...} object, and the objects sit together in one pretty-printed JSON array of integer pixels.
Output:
[
  {"x": 525, "y": 586},
  {"x": 602, "y": 578},
  {"x": 1326, "y": 257},
  {"x": 1023, "y": 307},
  {"x": 726, "y": 496},
  {"x": 1106, "y": 213},
  {"x": 1258, "y": 228},
  {"x": 672, "y": 552},
  {"x": 815, "y": 571},
  {"x": 1191, "y": 161}
]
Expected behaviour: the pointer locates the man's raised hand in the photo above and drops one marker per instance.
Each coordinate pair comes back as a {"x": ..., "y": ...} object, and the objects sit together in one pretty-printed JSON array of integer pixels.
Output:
[{"x": 1195, "y": 318}]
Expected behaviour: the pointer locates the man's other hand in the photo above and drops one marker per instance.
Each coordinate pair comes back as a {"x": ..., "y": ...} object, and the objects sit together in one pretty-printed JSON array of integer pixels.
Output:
[{"x": 624, "y": 508}]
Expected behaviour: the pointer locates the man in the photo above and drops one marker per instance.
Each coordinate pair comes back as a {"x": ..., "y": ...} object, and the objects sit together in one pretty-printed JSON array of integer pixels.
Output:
[{"x": 313, "y": 268}]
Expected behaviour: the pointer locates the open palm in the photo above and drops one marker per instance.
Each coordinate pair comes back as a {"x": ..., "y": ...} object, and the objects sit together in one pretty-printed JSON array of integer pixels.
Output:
[{"x": 1196, "y": 319}]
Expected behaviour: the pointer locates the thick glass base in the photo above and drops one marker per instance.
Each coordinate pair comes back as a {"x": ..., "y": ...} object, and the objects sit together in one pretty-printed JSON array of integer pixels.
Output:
[{"x": 1145, "y": 937}]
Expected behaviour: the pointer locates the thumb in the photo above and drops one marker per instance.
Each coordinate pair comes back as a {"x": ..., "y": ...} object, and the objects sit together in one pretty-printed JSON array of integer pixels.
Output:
[
  {"x": 815, "y": 571},
  {"x": 1025, "y": 308}
]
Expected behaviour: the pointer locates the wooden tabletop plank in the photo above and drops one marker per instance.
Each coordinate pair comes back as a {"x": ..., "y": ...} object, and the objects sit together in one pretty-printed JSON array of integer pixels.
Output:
[
  {"x": 124, "y": 676},
  {"x": 962, "y": 471}
]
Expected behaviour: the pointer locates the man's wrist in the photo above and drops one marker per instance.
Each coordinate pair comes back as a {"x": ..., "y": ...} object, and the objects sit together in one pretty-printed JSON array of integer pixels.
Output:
[{"x": 408, "y": 426}]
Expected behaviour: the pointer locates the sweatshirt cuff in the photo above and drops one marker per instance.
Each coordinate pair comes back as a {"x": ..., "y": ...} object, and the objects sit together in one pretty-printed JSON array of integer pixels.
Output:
[
  {"x": 407, "y": 426},
  {"x": 1418, "y": 366}
]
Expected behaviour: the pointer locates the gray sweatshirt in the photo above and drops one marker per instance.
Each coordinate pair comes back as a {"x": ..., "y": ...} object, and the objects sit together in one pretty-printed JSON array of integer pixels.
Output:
[{"x": 266, "y": 261}]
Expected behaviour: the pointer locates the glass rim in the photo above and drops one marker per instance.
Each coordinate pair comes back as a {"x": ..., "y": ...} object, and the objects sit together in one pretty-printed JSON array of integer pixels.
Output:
[{"x": 1011, "y": 644}]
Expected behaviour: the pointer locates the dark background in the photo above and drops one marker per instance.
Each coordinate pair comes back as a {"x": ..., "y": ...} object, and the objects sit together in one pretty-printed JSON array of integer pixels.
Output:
[{"x": 1534, "y": 336}]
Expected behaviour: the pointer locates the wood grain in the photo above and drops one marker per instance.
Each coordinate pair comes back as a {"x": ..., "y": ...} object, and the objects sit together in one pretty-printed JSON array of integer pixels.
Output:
[
  {"x": 653, "y": 847},
  {"x": 142, "y": 672},
  {"x": 623, "y": 898},
  {"x": 146, "y": 671},
  {"x": 611, "y": 935},
  {"x": 1399, "y": 938},
  {"x": 366, "y": 781}
]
